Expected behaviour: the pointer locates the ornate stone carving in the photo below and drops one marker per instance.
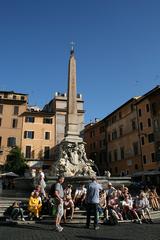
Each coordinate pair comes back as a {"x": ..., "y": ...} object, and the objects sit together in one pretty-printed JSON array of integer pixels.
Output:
[{"x": 72, "y": 160}]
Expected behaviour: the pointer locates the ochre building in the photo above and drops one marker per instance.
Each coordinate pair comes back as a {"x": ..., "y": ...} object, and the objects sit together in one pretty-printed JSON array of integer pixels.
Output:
[{"x": 127, "y": 141}]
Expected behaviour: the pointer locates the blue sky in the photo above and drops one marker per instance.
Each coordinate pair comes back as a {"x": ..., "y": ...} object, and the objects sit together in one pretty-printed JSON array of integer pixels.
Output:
[{"x": 117, "y": 49}]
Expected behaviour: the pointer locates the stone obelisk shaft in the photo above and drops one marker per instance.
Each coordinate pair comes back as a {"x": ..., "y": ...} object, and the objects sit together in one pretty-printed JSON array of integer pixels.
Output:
[{"x": 72, "y": 129}]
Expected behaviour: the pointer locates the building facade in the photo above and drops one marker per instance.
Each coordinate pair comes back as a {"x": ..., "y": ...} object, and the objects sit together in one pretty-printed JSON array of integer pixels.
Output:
[
  {"x": 35, "y": 131},
  {"x": 12, "y": 105},
  {"x": 128, "y": 140}
]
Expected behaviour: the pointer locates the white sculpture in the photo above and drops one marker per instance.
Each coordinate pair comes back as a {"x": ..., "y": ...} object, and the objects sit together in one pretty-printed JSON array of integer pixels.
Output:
[{"x": 72, "y": 160}]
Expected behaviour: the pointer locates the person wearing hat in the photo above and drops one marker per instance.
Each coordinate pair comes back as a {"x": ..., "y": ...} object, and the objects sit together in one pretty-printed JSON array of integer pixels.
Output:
[{"x": 109, "y": 191}]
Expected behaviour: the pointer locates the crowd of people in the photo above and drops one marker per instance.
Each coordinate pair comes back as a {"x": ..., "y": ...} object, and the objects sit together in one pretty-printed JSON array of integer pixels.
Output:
[{"x": 109, "y": 205}]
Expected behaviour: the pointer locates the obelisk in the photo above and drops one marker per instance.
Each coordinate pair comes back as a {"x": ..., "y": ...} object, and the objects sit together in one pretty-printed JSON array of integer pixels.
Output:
[
  {"x": 72, "y": 129},
  {"x": 71, "y": 159}
]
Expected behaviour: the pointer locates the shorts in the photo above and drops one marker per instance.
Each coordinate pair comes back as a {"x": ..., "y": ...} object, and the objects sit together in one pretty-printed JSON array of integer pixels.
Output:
[{"x": 60, "y": 209}]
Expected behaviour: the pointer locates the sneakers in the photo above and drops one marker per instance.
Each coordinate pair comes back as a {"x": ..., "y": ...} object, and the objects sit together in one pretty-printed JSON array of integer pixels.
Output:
[
  {"x": 139, "y": 221},
  {"x": 23, "y": 219},
  {"x": 59, "y": 228},
  {"x": 96, "y": 228},
  {"x": 150, "y": 221}
]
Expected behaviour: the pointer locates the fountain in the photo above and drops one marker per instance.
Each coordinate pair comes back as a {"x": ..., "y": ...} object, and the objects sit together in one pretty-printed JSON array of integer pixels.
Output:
[{"x": 71, "y": 159}]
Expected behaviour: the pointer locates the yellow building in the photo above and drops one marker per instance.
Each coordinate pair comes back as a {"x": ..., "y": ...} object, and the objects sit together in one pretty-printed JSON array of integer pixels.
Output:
[
  {"x": 12, "y": 105},
  {"x": 35, "y": 131}
]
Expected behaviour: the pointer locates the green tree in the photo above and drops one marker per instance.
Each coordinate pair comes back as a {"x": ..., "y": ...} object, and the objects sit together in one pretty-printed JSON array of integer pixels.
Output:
[{"x": 16, "y": 162}]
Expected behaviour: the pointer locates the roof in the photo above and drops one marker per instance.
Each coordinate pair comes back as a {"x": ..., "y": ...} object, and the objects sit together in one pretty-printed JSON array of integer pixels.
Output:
[
  {"x": 154, "y": 90},
  {"x": 37, "y": 113},
  {"x": 12, "y": 92}
]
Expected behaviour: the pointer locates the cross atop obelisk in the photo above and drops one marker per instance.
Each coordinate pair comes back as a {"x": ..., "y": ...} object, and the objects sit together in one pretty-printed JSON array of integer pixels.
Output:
[{"x": 72, "y": 129}]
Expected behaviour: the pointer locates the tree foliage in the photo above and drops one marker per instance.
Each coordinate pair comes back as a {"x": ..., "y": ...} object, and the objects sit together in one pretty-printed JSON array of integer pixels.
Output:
[{"x": 16, "y": 162}]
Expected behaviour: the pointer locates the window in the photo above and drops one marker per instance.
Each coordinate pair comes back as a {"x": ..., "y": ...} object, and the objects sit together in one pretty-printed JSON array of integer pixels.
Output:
[
  {"x": 153, "y": 157},
  {"x": 101, "y": 129},
  {"x": 46, "y": 152},
  {"x": 94, "y": 145},
  {"x": 11, "y": 142},
  {"x": 115, "y": 155},
  {"x": 16, "y": 110},
  {"x": 47, "y": 135},
  {"x": 28, "y": 153},
  {"x": 100, "y": 143},
  {"x": 154, "y": 108},
  {"x": 22, "y": 98},
  {"x": 114, "y": 134},
  {"x": 5, "y": 95},
  {"x": 156, "y": 125},
  {"x": 150, "y": 137},
  {"x": 144, "y": 159},
  {"x": 120, "y": 115},
  {"x": 100, "y": 158},
  {"x": 114, "y": 119},
  {"x": 121, "y": 131},
  {"x": 135, "y": 148},
  {"x": 122, "y": 153},
  {"x": 109, "y": 137},
  {"x": 91, "y": 147},
  {"x": 116, "y": 170},
  {"x": 92, "y": 134},
  {"x": 29, "y": 134},
  {"x": 47, "y": 120},
  {"x": 0, "y": 122},
  {"x": 110, "y": 156},
  {"x": 136, "y": 166},
  {"x": 142, "y": 140},
  {"x": 14, "y": 97},
  {"x": 1, "y": 109},
  {"x": 0, "y": 141},
  {"x": 29, "y": 119},
  {"x": 132, "y": 107},
  {"x": 141, "y": 125},
  {"x": 133, "y": 125},
  {"x": 14, "y": 123},
  {"x": 147, "y": 107},
  {"x": 149, "y": 122},
  {"x": 139, "y": 112}
]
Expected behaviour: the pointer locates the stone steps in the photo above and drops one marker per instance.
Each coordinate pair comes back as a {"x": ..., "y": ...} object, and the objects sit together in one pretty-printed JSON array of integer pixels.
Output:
[
  {"x": 6, "y": 202},
  {"x": 79, "y": 215}
]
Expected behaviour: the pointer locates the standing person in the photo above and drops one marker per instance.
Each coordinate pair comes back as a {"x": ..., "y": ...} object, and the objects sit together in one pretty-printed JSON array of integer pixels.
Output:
[
  {"x": 92, "y": 201},
  {"x": 58, "y": 195}
]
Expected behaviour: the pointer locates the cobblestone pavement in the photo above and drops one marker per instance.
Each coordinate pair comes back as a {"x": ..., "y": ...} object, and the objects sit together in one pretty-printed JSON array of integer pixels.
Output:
[{"x": 125, "y": 231}]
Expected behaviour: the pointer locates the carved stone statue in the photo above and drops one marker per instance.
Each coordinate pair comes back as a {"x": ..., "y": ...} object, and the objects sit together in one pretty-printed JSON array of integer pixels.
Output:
[{"x": 72, "y": 160}]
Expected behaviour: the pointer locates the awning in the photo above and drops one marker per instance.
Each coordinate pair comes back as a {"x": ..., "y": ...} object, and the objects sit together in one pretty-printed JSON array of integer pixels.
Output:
[
  {"x": 146, "y": 173},
  {"x": 9, "y": 174}
]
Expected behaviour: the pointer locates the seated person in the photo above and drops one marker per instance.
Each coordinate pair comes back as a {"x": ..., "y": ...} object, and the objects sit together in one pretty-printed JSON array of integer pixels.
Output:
[
  {"x": 154, "y": 199},
  {"x": 79, "y": 196},
  {"x": 17, "y": 211},
  {"x": 35, "y": 204},
  {"x": 142, "y": 207},
  {"x": 128, "y": 211},
  {"x": 68, "y": 191},
  {"x": 102, "y": 207},
  {"x": 68, "y": 202},
  {"x": 113, "y": 206},
  {"x": 68, "y": 206}
]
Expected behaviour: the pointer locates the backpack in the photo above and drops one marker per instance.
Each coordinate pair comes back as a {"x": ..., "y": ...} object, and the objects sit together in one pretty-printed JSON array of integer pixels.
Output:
[
  {"x": 52, "y": 190},
  {"x": 8, "y": 211}
]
